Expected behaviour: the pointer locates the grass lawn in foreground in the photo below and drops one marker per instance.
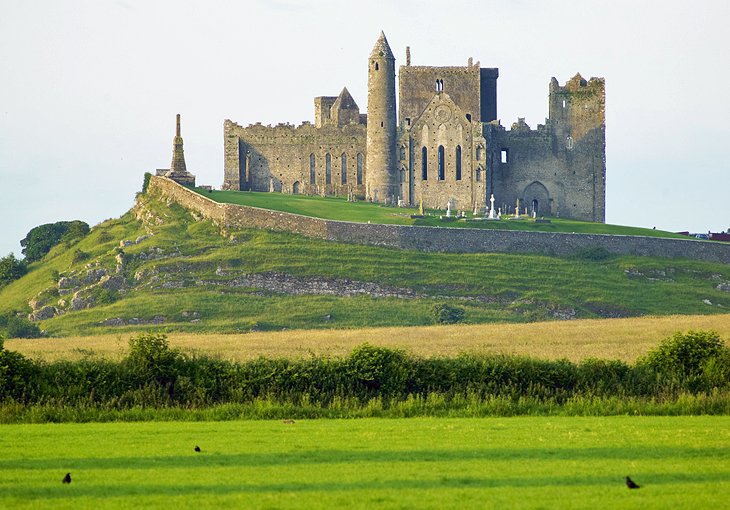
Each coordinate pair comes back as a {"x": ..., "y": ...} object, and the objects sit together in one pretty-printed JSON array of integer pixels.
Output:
[
  {"x": 335, "y": 208},
  {"x": 680, "y": 462}
]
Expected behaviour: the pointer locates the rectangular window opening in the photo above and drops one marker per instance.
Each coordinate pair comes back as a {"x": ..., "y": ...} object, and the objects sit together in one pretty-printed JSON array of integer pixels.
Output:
[{"x": 504, "y": 155}]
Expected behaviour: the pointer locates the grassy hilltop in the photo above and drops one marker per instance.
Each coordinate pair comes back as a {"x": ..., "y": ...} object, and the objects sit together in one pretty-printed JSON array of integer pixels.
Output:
[{"x": 186, "y": 275}]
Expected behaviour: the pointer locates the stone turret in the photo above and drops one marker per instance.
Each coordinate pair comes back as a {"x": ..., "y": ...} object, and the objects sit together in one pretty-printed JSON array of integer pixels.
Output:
[
  {"x": 178, "y": 171},
  {"x": 381, "y": 128}
]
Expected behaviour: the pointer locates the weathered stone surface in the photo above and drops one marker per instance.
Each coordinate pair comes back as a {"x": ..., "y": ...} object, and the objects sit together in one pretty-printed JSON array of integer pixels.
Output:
[
  {"x": 47, "y": 312},
  {"x": 94, "y": 275},
  {"x": 112, "y": 282},
  {"x": 723, "y": 287},
  {"x": 66, "y": 282},
  {"x": 283, "y": 283},
  {"x": 116, "y": 321},
  {"x": 80, "y": 302}
]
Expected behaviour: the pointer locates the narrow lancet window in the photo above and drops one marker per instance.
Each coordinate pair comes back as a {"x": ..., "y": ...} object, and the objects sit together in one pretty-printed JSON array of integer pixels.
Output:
[
  {"x": 441, "y": 163},
  {"x": 424, "y": 163}
]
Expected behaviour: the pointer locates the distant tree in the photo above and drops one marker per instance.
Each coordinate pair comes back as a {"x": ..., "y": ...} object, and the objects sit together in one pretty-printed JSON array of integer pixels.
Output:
[
  {"x": 11, "y": 269},
  {"x": 42, "y": 238}
]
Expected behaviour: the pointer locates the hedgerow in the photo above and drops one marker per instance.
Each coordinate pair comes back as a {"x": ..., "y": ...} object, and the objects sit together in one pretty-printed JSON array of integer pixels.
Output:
[{"x": 154, "y": 375}]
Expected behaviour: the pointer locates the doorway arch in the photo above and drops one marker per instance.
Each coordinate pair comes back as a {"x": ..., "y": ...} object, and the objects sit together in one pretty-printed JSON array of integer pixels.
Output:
[{"x": 536, "y": 194}]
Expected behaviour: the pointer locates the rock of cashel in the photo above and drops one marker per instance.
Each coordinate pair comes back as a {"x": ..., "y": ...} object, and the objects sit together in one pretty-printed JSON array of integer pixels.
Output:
[{"x": 443, "y": 145}]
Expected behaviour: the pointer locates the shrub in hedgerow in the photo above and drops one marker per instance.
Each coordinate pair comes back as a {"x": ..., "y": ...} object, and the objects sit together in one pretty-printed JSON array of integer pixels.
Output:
[
  {"x": 686, "y": 354},
  {"x": 380, "y": 370},
  {"x": 151, "y": 359},
  {"x": 17, "y": 374}
]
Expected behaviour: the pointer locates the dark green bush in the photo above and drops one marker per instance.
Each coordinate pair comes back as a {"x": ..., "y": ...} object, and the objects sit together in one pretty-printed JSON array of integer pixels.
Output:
[
  {"x": 379, "y": 369},
  {"x": 151, "y": 360},
  {"x": 686, "y": 354},
  {"x": 20, "y": 327},
  {"x": 42, "y": 238},
  {"x": 17, "y": 374},
  {"x": 11, "y": 269},
  {"x": 444, "y": 313}
]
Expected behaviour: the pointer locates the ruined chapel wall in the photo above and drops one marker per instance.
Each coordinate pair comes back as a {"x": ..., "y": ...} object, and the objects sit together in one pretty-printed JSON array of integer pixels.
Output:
[{"x": 279, "y": 157}]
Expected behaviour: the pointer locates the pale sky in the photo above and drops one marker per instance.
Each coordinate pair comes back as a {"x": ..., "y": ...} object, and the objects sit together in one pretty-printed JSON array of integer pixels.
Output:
[{"x": 89, "y": 89}]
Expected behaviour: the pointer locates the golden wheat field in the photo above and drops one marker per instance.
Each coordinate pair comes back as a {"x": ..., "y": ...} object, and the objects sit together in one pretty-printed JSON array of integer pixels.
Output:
[{"x": 624, "y": 339}]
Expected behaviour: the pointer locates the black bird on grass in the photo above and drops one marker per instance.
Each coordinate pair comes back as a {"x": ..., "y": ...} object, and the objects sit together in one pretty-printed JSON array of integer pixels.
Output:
[
  {"x": 631, "y": 484},
  {"x": 197, "y": 449},
  {"x": 67, "y": 478}
]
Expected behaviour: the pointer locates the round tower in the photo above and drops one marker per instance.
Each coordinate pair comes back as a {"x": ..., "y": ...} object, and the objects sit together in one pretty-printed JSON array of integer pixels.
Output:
[{"x": 380, "y": 178}]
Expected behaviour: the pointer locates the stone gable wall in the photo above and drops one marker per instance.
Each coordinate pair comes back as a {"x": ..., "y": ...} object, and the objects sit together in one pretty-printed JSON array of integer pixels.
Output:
[{"x": 438, "y": 239}]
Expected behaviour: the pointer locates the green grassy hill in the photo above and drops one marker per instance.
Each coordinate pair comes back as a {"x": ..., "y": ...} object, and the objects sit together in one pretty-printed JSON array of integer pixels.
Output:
[{"x": 178, "y": 273}]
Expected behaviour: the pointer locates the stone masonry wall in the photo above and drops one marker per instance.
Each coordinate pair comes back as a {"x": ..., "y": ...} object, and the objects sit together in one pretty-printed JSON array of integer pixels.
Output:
[{"x": 439, "y": 239}]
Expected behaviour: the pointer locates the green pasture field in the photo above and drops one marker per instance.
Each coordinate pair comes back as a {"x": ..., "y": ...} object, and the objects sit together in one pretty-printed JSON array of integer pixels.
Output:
[
  {"x": 335, "y": 208},
  {"x": 680, "y": 462}
]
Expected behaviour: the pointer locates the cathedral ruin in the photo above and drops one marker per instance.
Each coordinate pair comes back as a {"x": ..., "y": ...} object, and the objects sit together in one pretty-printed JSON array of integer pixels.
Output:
[{"x": 443, "y": 144}]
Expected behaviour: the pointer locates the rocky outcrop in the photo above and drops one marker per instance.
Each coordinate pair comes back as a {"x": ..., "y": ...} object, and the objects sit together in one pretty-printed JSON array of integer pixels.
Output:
[{"x": 47, "y": 312}]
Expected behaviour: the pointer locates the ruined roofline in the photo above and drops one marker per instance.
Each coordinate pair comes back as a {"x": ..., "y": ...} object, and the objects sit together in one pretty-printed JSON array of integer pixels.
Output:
[
  {"x": 577, "y": 82},
  {"x": 474, "y": 68},
  {"x": 520, "y": 126},
  {"x": 305, "y": 124}
]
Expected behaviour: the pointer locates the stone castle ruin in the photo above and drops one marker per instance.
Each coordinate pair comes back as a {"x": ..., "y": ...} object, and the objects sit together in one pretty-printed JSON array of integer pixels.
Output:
[{"x": 444, "y": 145}]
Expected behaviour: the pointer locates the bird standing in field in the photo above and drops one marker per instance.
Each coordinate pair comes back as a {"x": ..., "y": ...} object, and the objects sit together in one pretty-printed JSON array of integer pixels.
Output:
[
  {"x": 67, "y": 478},
  {"x": 631, "y": 484},
  {"x": 197, "y": 449}
]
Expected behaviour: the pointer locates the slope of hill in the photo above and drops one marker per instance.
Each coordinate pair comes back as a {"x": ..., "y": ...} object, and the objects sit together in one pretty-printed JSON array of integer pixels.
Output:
[{"x": 159, "y": 266}]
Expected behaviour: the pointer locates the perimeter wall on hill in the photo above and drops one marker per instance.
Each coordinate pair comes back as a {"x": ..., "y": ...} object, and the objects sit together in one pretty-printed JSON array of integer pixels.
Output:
[{"x": 437, "y": 239}]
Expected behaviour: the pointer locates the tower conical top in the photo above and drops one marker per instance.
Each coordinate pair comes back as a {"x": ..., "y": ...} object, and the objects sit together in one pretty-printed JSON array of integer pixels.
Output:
[{"x": 382, "y": 48}]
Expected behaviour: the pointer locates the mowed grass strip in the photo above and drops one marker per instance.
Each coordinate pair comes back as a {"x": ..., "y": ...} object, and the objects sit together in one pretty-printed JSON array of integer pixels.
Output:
[
  {"x": 623, "y": 339},
  {"x": 680, "y": 462},
  {"x": 338, "y": 208}
]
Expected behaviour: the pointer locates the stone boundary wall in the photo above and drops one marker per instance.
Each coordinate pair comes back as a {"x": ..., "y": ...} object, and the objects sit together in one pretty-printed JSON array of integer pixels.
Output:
[{"x": 438, "y": 239}]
